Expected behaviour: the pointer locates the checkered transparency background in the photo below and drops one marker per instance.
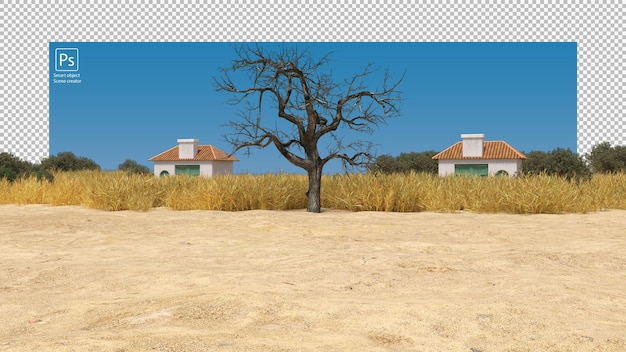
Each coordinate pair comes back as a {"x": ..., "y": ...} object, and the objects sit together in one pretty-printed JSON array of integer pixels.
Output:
[{"x": 27, "y": 28}]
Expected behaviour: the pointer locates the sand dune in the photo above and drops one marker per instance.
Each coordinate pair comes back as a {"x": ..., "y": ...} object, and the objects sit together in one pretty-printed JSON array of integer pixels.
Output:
[{"x": 75, "y": 279}]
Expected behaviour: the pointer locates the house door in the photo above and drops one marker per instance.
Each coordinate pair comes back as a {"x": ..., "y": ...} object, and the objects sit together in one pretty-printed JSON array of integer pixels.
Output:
[
  {"x": 191, "y": 170},
  {"x": 471, "y": 169}
]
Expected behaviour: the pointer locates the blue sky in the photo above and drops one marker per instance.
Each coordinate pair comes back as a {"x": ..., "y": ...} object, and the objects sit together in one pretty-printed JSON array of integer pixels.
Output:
[{"x": 136, "y": 99}]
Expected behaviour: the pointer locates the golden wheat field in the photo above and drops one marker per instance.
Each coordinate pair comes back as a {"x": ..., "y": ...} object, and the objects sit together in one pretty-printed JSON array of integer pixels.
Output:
[{"x": 354, "y": 192}]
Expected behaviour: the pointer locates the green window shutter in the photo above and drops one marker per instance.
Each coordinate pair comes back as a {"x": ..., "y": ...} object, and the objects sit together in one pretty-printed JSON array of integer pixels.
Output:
[
  {"x": 191, "y": 170},
  {"x": 471, "y": 169}
]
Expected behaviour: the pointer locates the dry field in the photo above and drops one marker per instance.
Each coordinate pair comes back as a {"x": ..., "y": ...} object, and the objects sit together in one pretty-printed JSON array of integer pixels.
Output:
[
  {"x": 117, "y": 190},
  {"x": 79, "y": 279}
]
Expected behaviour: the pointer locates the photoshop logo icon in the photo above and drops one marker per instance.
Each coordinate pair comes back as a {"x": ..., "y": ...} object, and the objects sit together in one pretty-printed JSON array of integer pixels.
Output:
[{"x": 66, "y": 59}]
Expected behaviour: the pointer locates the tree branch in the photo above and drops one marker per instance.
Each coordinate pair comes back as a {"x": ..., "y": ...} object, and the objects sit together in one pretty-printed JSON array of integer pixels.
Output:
[{"x": 308, "y": 99}]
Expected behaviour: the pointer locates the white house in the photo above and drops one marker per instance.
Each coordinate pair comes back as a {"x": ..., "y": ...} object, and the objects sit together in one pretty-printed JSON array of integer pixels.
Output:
[
  {"x": 192, "y": 159},
  {"x": 475, "y": 156}
]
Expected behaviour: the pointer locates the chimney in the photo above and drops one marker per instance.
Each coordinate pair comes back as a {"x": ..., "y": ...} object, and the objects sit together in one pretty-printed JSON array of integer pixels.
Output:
[
  {"x": 187, "y": 148},
  {"x": 473, "y": 145}
]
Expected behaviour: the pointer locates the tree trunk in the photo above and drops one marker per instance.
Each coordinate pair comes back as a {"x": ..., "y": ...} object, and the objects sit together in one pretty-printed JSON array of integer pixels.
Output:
[{"x": 314, "y": 204}]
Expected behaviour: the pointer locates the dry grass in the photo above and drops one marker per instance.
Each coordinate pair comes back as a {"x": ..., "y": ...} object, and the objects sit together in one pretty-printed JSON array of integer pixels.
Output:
[
  {"x": 422, "y": 192},
  {"x": 355, "y": 192},
  {"x": 235, "y": 192}
]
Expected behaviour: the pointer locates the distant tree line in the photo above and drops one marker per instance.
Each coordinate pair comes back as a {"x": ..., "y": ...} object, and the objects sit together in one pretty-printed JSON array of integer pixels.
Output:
[
  {"x": 559, "y": 162},
  {"x": 603, "y": 158},
  {"x": 607, "y": 159},
  {"x": 131, "y": 166},
  {"x": 12, "y": 167},
  {"x": 406, "y": 162}
]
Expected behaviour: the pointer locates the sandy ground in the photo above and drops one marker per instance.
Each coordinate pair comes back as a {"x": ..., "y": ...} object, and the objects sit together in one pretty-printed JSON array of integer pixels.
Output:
[{"x": 75, "y": 279}]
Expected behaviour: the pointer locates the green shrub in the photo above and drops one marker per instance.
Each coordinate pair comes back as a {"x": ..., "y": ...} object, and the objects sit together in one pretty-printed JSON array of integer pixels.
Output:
[
  {"x": 558, "y": 162},
  {"x": 607, "y": 159},
  {"x": 8, "y": 174},
  {"x": 133, "y": 167},
  {"x": 405, "y": 163},
  {"x": 67, "y": 161}
]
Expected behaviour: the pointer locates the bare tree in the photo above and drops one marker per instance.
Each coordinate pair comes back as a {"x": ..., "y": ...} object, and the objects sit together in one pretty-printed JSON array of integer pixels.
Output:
[{"x": 311, "y": 109}]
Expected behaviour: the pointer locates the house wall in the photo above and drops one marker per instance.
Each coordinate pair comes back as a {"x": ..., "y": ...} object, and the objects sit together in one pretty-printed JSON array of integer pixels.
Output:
[
  {"x": 160, "y": 166},
  {"x": 222, "y": 167},
  {"x": 512, "y": 166},
  {"x": 207, "y": 168}
]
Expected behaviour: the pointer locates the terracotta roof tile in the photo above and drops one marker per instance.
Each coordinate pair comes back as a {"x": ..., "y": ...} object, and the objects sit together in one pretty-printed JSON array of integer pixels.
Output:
[
  {"x": 491, "y": 150},
  {"x": 205, "y": 153}
]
